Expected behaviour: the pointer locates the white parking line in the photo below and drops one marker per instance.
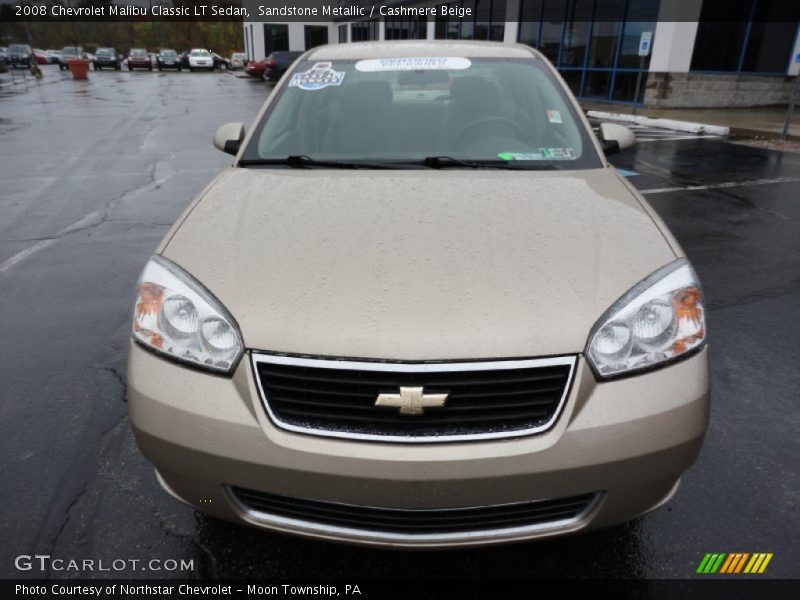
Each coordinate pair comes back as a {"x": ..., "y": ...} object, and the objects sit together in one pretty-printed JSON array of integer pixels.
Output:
[
  {"x": 20, "y": 256},
  {"x": 673, "y": 137},
  {"x": 42, "y": 244},
  {"x": 714, "y": 186}
]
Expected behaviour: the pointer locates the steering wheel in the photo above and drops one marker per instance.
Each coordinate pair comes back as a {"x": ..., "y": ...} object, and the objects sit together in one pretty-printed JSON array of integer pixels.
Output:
[{"x": 501, "y": 121}]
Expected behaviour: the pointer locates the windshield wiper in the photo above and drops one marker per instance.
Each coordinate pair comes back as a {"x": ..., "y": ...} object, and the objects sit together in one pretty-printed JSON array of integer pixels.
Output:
[
  {"x": 302, "y": 161},
  {"x": 444, "y": 162}
]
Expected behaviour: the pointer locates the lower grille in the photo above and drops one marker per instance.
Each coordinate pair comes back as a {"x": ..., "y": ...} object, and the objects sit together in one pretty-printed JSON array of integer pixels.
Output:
[
  {"x": 483, "y": 400},
  {"x": 418, "y": 521}
]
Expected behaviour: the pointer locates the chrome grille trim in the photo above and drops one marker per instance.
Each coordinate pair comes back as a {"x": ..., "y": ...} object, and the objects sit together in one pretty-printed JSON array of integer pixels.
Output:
[{"x": 412, "y": 367}]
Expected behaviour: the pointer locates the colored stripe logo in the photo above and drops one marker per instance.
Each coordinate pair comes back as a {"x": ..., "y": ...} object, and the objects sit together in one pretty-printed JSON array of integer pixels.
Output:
[{"x": 734, "y": 563}]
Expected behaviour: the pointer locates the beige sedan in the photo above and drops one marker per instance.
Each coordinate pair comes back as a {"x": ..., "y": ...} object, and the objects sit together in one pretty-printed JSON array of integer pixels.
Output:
[{"x": 420, "y": 309}]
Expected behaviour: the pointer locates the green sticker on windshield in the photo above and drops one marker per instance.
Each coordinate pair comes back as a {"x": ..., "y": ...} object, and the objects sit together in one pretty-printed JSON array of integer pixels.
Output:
[{"x": 540, "y": 154}]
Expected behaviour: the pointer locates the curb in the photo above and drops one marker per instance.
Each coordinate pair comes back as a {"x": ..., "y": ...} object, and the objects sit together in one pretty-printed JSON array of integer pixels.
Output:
[{"x": 685, "y": 126}]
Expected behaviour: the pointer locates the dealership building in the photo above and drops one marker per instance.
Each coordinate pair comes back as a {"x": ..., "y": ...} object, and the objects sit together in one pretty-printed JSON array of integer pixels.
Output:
[{"x": 665, "y": 53}]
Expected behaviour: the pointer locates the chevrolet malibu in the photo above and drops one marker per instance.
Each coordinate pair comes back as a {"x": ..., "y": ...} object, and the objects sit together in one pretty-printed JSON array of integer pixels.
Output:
[{"x": 420, "y": 309}]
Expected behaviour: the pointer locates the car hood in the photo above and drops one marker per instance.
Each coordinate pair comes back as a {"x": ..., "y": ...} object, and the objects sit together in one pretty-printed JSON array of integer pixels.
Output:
[{"x": 418, "y": 265}]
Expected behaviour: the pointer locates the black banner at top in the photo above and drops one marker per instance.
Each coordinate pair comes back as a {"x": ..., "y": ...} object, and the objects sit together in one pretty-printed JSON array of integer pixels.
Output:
[{"x": 331, "y": 11}]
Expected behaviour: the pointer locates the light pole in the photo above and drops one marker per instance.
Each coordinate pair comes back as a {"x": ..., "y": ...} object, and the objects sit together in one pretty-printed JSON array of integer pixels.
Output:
[{"x": 792, "y": 102}]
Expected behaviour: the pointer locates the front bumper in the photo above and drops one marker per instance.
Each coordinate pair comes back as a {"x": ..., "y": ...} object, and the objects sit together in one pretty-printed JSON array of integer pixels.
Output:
[{"x": 627, "y": 441}]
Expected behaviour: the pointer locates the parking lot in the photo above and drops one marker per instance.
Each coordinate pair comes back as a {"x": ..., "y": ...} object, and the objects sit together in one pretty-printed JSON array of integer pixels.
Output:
[{"x": 93, "y": 175}]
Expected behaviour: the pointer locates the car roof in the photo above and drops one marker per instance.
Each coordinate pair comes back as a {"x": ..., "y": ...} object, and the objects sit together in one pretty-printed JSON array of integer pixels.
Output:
[{"x": 420, "y": 48}]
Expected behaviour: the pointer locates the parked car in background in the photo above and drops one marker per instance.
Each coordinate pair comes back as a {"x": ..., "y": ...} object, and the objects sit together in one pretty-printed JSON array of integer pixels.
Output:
[
  {"x": 220, "y": 63},
  {"x": 3, "y": 64},
  {"x": 238, "y": 60},
  {"x": 200, "y": 58},
  {"x": 138, "y": 58},
  {"x": 107, "y": 58},
  {"x": 4, "y": 52},
  {"x": 42, "y": 58},
  {"x": 53, "y": 55},
  {"x": 255, "y": 68},
  {"x": 69, "y": 53},
  {"x": 167, "y": 58},
  {"x": 277, "y": 63},
  {"x": 20, "y": 55}
]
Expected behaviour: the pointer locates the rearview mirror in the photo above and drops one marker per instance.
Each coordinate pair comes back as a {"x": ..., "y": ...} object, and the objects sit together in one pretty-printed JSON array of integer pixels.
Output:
[
  {"x": 615, "y": 137},
  {"x": 229, "y": 137}
]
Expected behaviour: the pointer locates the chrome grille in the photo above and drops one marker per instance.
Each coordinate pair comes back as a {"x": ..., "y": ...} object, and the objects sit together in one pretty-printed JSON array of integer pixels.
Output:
[{"x": 484, "y": 399}]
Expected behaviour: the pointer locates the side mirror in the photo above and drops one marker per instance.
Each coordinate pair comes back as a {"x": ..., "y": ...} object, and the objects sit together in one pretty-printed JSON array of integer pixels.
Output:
[
  {"x": 615, "y": 137},
  {"x": 229, "y": 137}
]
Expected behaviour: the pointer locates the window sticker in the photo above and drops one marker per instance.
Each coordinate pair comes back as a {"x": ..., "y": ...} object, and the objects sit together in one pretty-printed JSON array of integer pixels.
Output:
[
  {"x": 554, "y": 116},
  {"x": 540, "y": 154},
  {"x": 560, "y": 153},
  {"x": 419, "y": 63},
  {"x": 321, "y": 75}
]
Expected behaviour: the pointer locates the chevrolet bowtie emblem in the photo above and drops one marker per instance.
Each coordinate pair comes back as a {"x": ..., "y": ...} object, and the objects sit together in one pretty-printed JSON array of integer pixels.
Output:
[{"x": 411, "y": 400}]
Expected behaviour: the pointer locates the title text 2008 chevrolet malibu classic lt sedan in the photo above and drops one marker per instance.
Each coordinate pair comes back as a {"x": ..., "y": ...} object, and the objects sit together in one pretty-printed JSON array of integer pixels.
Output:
[{"x": 421, "y": 309}]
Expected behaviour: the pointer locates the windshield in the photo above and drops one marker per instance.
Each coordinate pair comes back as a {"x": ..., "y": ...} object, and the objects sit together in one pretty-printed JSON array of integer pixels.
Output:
[
  {"x": 105, "y": 52},
  {"x": 239, "y": 56},
  {"x": 137, "y": 52},
  {"x": 200, "y": 53},
  {"x": 17, "y": 48},
  {"x": 69, "y": 50},
  {"x": 168, "y": 53},
  {"x": 405, "y": 110}
]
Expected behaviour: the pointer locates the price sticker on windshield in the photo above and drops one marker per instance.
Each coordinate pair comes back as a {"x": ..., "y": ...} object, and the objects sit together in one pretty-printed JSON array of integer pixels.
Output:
[{"x": 414, "y": 63}]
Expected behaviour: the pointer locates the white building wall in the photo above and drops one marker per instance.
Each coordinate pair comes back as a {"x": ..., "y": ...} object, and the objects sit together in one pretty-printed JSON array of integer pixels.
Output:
[
  {"x": 512, "y": 25},
  {"x": 297, "y": 36},
  {"x": 673, "y": 41},
  {"x": 673, "y": 44}
]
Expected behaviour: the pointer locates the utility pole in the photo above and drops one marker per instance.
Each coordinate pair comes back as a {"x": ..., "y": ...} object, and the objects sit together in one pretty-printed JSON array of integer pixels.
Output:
[{"x": 74, "y": 31}]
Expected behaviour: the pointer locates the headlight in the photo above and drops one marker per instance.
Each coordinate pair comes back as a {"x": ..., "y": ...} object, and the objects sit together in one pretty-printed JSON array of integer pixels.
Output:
[
  {"x": 658, "y": 320},
  {"x": 175, "y": 316}
]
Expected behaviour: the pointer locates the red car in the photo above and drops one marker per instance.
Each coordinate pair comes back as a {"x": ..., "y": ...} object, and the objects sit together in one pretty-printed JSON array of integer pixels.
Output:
[
  {"x": 41, "y": 57},
  {"x": 274, "y": 66},
  {"x": 138, "y": 58},
  {"x": 255, "y": 68}
]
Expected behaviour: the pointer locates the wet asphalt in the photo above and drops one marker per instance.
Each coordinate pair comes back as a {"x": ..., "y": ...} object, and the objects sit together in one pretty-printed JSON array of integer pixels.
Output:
[{"x": 93, "y": 174}]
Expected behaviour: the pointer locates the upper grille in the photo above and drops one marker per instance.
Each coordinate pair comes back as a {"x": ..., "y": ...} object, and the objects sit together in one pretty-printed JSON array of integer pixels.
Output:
[
  {"x": 417, "y": 521},
  {"x": 487, "y": 399}
]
